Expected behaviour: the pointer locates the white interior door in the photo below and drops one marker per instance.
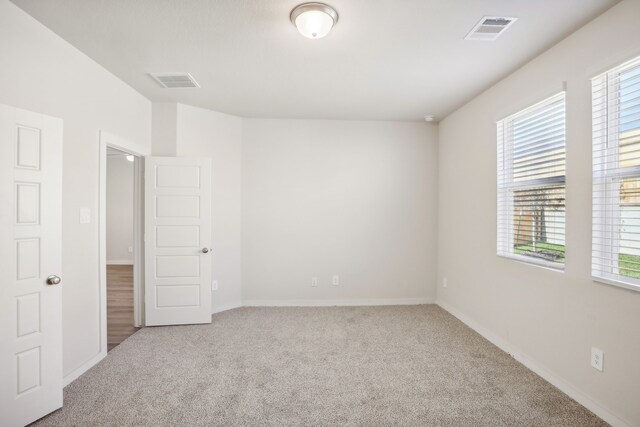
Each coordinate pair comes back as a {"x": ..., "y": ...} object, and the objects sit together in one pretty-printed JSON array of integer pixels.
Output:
[
  {"x": 177, "y": 240},
  {"x": 30, "y": 245}
]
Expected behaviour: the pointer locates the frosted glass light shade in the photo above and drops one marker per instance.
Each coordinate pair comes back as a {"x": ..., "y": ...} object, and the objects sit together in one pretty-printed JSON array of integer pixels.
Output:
[
  {"x": 314, "y": 24},
  {"x": 314, "y": 20}
]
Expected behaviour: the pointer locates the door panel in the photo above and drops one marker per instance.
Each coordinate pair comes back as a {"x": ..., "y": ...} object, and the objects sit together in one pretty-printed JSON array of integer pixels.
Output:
[
  {"x": 177, "y": 227},
  {"x": 178, "y": 295},
  {"x": 178, "y": 266},
  {"x": 168, "y": 206},
  {"x": 30, "y": 246},
  {"x": 178, "y": 236}
]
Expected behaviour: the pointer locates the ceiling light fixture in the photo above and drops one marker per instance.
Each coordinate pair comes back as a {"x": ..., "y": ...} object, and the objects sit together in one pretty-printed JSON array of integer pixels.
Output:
[
  {"x": 429, "y": 118},
  {"x": 314, "y": 20},
  {"x": 130, "y": 158}
]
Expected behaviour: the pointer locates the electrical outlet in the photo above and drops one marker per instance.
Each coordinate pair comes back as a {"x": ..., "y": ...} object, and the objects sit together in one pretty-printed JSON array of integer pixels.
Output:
[
  {"x": 314, "y": 281},
  {"x": 130, "y": 249},
  {"x": 335, "y": 281},
  {"x": 445, "y": 282},
  {"x": 214, "y": 285},
  {"x": 597, "y": 359}
]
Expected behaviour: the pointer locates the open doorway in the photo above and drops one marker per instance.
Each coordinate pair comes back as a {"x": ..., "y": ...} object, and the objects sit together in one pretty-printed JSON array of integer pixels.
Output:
[{"x": 120, "y": 210}]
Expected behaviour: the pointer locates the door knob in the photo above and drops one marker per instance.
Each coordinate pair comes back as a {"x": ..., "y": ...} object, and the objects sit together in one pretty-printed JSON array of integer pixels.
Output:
[
  {"x": 205, "y": 250},
  {"x": 53, "y": 280}
]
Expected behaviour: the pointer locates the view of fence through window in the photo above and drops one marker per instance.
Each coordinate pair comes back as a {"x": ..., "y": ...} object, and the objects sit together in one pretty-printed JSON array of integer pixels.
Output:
[
  {"x": 629, "y": 253},
  {"x": 624, "y": 128},
  {"x": 531, "y": 182},
  {"x": 616, "y": 174},
  {"x": 539, "y": 223}
]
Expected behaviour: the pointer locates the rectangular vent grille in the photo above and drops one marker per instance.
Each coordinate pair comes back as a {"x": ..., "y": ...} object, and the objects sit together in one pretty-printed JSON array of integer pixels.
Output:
[
  {"x": 174, "y": 80},
  {"x": 490, "y": 28}
]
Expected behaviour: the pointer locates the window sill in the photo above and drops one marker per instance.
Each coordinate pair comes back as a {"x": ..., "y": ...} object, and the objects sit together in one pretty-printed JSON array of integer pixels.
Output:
[
  {"x": 616, "y": 283},
  {"x": 553, "y": 266}
]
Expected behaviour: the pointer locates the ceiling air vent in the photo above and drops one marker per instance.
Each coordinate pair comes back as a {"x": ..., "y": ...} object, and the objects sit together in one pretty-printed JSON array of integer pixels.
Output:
[
  {"x": 489, "y": 28},
  {"x": 173, "y": 80}
]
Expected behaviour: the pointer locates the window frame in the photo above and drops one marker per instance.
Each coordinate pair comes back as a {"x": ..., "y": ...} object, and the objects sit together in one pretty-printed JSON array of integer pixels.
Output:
[
  {"x": 607, "y": 179},
  {"x": 507, "y": 186}
]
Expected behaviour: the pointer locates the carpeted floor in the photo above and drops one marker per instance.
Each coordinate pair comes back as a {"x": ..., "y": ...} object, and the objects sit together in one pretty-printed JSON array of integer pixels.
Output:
[{"x": 356, "y": 366}]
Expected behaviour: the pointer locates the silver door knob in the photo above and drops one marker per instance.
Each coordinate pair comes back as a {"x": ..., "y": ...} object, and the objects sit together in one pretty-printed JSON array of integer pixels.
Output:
[
  {"x": 53, "y": 280},
  {"x": 205, "y": 250}
]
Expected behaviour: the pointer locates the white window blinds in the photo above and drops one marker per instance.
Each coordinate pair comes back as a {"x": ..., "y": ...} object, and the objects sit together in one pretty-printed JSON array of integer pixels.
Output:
[
  {"x": 531, "y": 183},
  {"x": 616, "y": 175}
]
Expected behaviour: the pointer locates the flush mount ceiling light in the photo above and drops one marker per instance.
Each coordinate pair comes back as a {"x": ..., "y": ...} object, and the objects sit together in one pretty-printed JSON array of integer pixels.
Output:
[{"x": 314, "y": 20}]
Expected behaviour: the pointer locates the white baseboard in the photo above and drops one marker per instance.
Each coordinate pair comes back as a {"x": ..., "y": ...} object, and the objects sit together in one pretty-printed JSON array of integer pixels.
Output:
[
  {"x": 342, "y": 303},
  {"x": 120, "y": 262},
  {"x": 226, "y": 307},
  {"x": 536, "y": 367},
  {"x": 68, "y": 379}
]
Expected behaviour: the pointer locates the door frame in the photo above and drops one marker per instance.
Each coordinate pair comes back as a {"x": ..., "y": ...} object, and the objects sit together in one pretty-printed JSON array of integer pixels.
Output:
[{"x": 110, "y": 140}]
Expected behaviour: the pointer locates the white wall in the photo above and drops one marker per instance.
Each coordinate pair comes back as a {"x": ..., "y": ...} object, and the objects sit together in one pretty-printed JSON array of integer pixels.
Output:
[
  {"x": 205, "y": 133},
  {"x": 164, "y": 128},
  {"x": 356, "y": 199},
  {"x": 119, "y": 210},
  {"x": 548, "y": 317},
  {"x": 43, "y": 73}
]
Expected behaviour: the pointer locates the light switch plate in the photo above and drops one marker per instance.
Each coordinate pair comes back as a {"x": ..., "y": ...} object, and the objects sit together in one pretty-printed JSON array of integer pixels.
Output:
[{"x": 85, "y": 215}]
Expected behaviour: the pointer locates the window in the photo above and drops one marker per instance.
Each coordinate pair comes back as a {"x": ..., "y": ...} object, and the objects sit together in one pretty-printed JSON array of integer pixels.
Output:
[
  {"x": 616, "y": 175},
  {"x": 531, "y": 184}
]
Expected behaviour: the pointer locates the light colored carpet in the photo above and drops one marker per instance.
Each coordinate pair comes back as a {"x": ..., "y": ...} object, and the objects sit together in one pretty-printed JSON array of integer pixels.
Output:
[{"x": 356, "y": 366}]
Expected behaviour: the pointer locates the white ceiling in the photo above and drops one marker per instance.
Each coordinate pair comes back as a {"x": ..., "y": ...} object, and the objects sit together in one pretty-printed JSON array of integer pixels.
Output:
[{"x": 385, "y": 60}]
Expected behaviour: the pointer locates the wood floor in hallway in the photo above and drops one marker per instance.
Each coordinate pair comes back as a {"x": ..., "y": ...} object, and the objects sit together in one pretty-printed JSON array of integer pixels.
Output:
[{"x": 119, "y": 304}]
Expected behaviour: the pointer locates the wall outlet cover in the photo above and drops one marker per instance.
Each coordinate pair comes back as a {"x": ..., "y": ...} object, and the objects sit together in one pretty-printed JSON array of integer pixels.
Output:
[
  {"x": 335, "y": 281},
  {"x": 597, "y": 359},
  {"x": 314, "y": 281},
  {"x": 214, "y": 285}
]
